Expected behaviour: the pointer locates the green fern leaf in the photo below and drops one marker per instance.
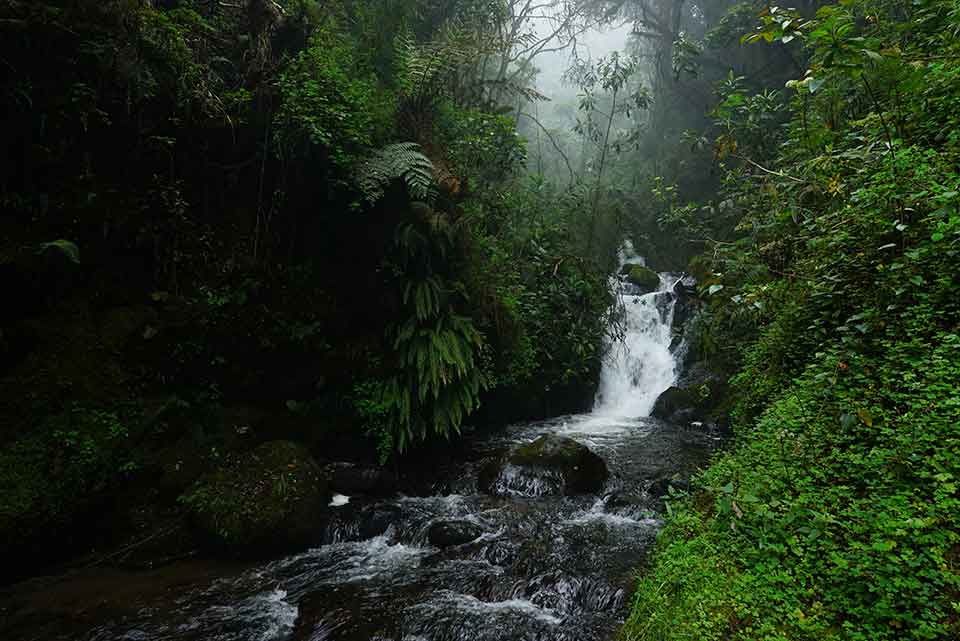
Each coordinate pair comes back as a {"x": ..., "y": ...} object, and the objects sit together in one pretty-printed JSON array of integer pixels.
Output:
[{"x": 398, "y": 161}]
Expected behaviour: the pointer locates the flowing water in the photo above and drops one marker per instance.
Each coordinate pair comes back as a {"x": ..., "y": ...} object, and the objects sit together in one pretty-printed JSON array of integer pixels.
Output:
[{"x": 541, "y": 567}]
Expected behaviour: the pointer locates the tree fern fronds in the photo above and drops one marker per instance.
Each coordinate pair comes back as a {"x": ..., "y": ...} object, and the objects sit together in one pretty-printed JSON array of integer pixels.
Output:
[{"x": 403, "y": 160}]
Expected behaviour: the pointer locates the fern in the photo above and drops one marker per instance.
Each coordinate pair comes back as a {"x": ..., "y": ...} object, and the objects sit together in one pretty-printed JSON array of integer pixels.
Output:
[
  {"x": 439, "y": 381},
  {"x": 403, "y": 160},
  {"x": 425, "y": 68},
  {"x": 438, "y": 376}
]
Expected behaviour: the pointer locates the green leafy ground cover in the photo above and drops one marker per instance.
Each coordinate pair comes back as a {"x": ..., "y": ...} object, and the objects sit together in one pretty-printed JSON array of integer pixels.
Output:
[{"x": 836, "y": 513}]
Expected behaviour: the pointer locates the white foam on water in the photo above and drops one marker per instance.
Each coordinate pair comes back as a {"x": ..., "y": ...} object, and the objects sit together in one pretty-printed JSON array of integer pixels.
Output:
[
  {"x": 267, "y": 616},
  {"x": 279, "y": 615},
  {"x": 466, "y": 602},
  {"x": 640, "y": 366},
  {"x": 378, "y": 556},
  {"x": 597, "y": 514},
  {"x": 339, "y": 500}
]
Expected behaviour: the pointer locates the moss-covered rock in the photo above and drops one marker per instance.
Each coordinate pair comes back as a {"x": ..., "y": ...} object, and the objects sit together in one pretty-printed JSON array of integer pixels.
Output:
[
  {"x": 696, "y": 397},
  {"x": 273, "y": 497},
  {"x": 642, "y": 277},
  {"x": 549, "y": 465}
]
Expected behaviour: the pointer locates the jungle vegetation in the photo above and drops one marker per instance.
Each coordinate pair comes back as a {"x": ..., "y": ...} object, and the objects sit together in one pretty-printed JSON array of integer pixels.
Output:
[{"x": 359, "y": 225}]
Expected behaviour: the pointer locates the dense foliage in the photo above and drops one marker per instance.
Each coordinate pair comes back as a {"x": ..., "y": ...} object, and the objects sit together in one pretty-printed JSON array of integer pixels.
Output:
[
  {"x": 833, "y": 302},
  {"x": 309, "y": 220}
]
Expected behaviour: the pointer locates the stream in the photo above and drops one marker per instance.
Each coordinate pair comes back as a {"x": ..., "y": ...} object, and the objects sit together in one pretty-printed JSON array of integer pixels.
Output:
[{"x": 540, "y": 566}]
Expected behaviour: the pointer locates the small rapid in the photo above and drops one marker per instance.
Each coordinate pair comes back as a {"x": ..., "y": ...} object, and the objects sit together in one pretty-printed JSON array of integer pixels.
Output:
[{"x": 534, "y": 565}]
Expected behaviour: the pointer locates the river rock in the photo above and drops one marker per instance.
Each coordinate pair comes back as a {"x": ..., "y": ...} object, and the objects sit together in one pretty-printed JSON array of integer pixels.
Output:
[
  {"x": 687, "y": 303},
  {"x": 641, "y": 277},
  {"x": 695, "y": 398},
  {"x": 355, "y": 478},
  {"x": 360, "y": 520},
  {"x": 677, "y": 405},
  {"x": 270, "y": 498},
  {"x": 549, "y": 465},
  {"x": 619, "y": 501},
  {"x": 453, "y": 532},
  {"x": 377, "y": 518}
]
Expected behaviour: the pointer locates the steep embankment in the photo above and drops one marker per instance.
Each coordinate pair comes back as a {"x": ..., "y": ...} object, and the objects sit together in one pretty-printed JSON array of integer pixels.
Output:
[{"x": 836, "y": 514}]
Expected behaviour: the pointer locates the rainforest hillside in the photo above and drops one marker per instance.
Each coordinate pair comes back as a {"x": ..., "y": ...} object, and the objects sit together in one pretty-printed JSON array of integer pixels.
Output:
[{"x": 256, "y": 252}]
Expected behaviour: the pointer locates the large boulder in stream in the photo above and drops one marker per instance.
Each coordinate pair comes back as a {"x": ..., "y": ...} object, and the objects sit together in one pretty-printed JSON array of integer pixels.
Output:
[
  {"x": 641, "y": 277},
  {"x": 549, "y": 465},
  {"x": 678, "y": 405},
  {"x": 696, "y": 397},
  {"x": 356, "y": 478},
  {"x": 453, "y": 532},
  {"x": 271, "y": 498}
]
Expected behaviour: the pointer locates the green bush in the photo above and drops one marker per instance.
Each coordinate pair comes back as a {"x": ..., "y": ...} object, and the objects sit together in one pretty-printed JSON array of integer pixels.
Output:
[
  {"x": 52, "y": 475},
  {"x": 330, "y": 102}
]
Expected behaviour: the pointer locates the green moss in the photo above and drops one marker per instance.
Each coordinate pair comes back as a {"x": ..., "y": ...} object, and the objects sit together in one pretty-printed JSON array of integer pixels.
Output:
[
  {"x": 77, "y": 360},
  {"x": 270, "y": 497},
  {"x": 551, "y": 451},
  {"x": 643, "y": 277}
]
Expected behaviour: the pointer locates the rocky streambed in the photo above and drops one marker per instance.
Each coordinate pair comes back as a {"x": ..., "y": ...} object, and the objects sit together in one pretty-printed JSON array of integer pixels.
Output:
[{"x": 534, "y": 534}]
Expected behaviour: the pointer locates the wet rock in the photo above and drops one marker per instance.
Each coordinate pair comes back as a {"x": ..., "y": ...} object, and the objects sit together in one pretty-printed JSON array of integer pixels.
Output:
[
  {"x": 688, "y": 303},
  {"x": 695, "y": 398},
  {"x": 347, "y": 612},
  {"x": 698, "y": 374},
  {"x": 618, "y": 501},
  {"x": 454, "y": 532},
  {"x": 360, "y": 520},
  {"x": 377, "y": 519},
  {"x": 676, "y": 405},
  {"x": 641, "y": 277},
  {"x": 273, "y": 497},
  {"x": 355, "y": 478},
  {"x": 549, "y": 465}
]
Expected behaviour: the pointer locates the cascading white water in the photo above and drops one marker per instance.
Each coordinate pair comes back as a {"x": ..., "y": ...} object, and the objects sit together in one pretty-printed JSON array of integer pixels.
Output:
[{"x": 639, "y": 367}]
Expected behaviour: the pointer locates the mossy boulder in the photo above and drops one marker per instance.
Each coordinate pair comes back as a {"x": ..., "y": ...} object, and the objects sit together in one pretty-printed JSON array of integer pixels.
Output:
[
  {"x": 549, "y": 465},
  {"x": 36, "y": 277},
  {"x": 641, "y": 277},
  {"x": 698, "y": 396},
  {"x": 273, "y": 497},
  {"x": 357, "y": 478}
]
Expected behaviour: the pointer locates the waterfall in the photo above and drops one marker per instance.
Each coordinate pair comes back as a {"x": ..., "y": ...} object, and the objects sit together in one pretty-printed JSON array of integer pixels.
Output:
[{"x": 640, "y": 366}]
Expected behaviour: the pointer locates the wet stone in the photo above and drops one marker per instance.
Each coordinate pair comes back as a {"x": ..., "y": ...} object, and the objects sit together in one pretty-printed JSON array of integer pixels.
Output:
[
  {"x": 454, "y": 532},
  {"x": 549, "y": 465}
]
